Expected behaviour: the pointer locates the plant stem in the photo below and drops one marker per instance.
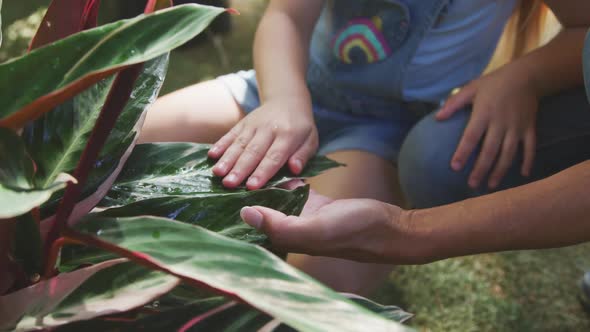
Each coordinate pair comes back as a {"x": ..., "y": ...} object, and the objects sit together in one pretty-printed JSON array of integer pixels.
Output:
[
  {"x": 54, "y": 253},
  {"x": 114, "y": 105}
]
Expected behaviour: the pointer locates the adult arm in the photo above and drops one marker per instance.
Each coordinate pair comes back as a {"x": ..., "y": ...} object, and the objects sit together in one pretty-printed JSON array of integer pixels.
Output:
[{"x": 550, "y": 213}]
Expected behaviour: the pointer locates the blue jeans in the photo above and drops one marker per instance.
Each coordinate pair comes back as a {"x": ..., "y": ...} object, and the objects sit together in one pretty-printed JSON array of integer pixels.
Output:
[{"x": 563, "y": 140}]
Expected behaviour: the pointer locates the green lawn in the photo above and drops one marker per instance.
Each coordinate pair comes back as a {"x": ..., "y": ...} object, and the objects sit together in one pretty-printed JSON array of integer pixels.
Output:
[{"x": 524, "y": 291}]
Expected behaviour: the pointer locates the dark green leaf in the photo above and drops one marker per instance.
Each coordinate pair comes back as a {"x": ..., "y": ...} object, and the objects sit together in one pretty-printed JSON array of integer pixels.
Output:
[
  {"x": 234, "y": 267},
  {"x": 219, "y": 213},
  {"x": 28, "y": 244},
  {"x": 57, "y": 139},
  {"x": 18, "y": 194},
  {"x": 586, "y": 56},
  {"x": 165, "y": 169},
  {"x": 69, "y": 66},
  {"x": 108, "y": 288},
  {"x": 0, "y": 22}
]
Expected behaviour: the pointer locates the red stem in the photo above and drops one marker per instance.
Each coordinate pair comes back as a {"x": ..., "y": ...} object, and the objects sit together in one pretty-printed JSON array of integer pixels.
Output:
[
  {"x": 50, "y": 271},
  {"x": 114, "y": 105}
]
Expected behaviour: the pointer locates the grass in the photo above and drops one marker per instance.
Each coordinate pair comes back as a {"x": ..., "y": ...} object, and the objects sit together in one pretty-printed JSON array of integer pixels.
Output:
[{"x": 515, "y": 291}]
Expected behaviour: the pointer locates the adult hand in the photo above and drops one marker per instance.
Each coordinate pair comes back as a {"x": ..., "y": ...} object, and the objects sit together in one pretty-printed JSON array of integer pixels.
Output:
[
  {"x": 280, "y": 131},
  {"x": 504, "y": 109},
  {"x": 358, "y": 229}
]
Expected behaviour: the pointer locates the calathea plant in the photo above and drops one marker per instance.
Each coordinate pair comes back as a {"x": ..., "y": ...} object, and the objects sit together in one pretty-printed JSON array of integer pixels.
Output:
[{"x": 166, "y": 249}]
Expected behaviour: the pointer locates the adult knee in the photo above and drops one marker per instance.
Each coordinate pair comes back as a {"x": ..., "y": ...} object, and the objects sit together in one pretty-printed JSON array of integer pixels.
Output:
[{"x": 426, "y": 177}]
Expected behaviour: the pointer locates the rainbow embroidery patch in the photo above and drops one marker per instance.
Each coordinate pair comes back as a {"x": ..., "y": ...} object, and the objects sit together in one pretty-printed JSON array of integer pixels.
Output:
[{"x": 361, "y": 42}]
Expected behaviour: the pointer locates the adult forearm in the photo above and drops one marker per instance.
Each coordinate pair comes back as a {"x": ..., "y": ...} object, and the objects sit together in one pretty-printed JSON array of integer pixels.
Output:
[{"x": 553, "y": 212}]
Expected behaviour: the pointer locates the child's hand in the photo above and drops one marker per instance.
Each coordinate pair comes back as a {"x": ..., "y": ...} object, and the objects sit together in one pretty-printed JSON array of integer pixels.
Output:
[
  {"x": 278, "y": 132},
  {"x": 504, "y": 108}
]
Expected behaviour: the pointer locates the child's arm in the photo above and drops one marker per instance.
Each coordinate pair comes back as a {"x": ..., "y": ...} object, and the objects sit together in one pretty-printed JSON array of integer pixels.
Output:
[
  {"x": 505, "y": 102},
  {"x": 282, "y": 130}
]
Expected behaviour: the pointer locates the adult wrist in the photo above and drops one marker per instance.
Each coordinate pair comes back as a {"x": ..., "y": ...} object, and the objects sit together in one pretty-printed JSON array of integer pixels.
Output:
[{"x": 412, "y": 240}]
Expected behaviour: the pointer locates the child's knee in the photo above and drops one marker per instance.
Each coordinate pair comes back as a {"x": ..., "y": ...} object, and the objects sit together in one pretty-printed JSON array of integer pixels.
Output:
[{"x": 424, "y": 162}]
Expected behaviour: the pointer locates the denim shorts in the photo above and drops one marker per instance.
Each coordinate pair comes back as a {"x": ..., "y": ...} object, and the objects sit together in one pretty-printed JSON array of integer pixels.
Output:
[{"x": 338, "y": 131}]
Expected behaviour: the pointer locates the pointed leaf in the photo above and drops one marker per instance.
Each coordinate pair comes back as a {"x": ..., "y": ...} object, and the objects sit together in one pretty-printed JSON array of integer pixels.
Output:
[
  {"x": 85, "y": 58},
  {"x": 57, "y": 139},
  {"x": 218, "y": 213},
  {"x": 586, "y": 56},
  {"x": 18, "y": 194},
  {"x": 186, "y": 308},
  {"x": 64, "y": 18},
  {"x": 164, "y": 169},
  {"x": 234, "y": 268},
  {"x": 108, "y": 288}
]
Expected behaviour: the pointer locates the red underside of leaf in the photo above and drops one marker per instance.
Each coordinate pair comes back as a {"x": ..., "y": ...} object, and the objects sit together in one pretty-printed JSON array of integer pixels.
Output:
[
  {"x": 186, "y": 327},
  {"x": 153, "y": 5},
  {"x": 64, "y": 18}
]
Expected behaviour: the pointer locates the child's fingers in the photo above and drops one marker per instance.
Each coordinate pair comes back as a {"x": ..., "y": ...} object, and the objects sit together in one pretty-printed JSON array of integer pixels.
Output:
[
  {"x": 509, "y": 148},
  {"x": 457, "y": 101},
  {"x": 233, "y": 152},
  {"x": 273, "y": 160},
  {"x": 470, "y": 139},
  {"x": 219, "y": 148},
  {"x": 249, "y": 159},
  {"x": 487, "y": 156},
  {"x": 303, "y": 154},
  {"x": 530, "y": 142}
]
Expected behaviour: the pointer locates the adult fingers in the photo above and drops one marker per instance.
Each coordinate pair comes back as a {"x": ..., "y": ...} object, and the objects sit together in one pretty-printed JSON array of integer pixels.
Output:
[
  {"x": 530, "y": 142},
  {"x": 470, "y": 139},
  {"x": 509, "y": 148},
  {"x": 249, "y": 158},
  {"x": 289, "y": 233},
  {"x": 457, "y": 101},
  {"x": 487, "y": 156}
]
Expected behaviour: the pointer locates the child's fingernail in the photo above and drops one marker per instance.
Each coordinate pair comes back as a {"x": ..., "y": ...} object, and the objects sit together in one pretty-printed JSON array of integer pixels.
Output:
[
  {"x": 252, "y": 182},
  {"x": 298, "y": 165},
  {"x": 493, "y": 184},
  {"x": 231, "y": 178},
  {"x": 214, "y": 150},
  {"x": 456, "y": 165},
  {"x": 252, "y": 217},
  {"x": 473, "y": 182},
  {"x": 222, "y": 166}
]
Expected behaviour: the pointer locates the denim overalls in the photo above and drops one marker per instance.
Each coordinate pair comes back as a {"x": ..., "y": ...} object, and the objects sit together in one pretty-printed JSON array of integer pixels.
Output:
[
  {"x": 360, "y": 50},
  {"x": 359, "y": 55}
]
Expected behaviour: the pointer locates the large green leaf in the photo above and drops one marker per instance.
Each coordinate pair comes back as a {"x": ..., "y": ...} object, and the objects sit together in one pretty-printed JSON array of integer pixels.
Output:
[
  {"x": 69, "y": 66},
  {"x": 57, "y": 139},
  {"x": 586, "y": 57},
  {"x": 232, "y": 267},
  {"x": 164, "y": 169},
  {"x": 108, "y": 288},
  {"x": 218, "y": 213},
  {"x": 194, "y": 310},
  {"x": 18, "y": 193}
]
